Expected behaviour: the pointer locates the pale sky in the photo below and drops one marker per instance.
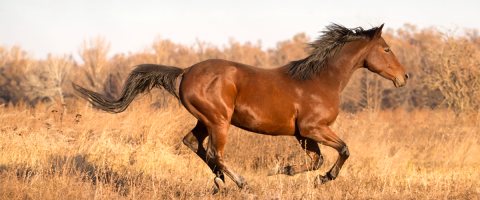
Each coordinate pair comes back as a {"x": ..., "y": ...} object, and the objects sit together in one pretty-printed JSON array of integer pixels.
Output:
[{"x": 59, "y": 27}]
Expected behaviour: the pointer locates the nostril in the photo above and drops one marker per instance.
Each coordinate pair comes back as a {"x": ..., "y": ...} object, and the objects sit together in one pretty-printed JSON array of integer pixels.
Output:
[{"x": 406, "y": 76}]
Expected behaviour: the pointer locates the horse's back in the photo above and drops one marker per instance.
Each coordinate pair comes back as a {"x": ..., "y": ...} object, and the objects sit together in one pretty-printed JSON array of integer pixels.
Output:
[{"x": 231, "y": 74}]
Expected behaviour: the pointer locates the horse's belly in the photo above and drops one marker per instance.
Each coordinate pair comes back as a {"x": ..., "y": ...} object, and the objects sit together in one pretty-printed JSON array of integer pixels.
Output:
[{"x": 270, "y": 123}]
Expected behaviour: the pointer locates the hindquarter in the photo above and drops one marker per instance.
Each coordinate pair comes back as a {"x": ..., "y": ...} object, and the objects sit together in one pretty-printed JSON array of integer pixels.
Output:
[{"x": 208, "y": 92}]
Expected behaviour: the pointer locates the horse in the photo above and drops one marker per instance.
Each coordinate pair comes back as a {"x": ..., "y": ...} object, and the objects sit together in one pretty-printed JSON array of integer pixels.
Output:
[{"x": 299, "y": 99}]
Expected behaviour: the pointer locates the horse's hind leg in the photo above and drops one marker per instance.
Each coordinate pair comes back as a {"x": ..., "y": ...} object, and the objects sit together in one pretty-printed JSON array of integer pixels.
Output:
[
  {"x": 213, "y": 156},
  {"x": 194, "y": 141},
  {"x": 216, "y": 144},
  {"x": 313, "y": 151}
]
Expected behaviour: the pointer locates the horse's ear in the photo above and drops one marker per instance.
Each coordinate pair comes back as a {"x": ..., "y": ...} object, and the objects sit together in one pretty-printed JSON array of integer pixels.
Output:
[{"x": 378, "y": 32}]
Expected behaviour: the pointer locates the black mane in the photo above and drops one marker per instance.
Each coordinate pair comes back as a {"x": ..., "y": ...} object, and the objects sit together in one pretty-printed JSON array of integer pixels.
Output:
[{"x": 325, "y": 48}]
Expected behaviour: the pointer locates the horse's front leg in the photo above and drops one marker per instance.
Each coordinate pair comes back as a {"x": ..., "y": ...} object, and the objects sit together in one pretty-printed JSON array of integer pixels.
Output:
[
  {"x": 323, "y": 135},
  {"x": 313, "y": 151}
]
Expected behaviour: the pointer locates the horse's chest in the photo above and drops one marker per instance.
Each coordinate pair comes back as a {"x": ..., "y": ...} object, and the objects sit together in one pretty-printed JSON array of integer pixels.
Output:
[{"x": 313, "y": 113}]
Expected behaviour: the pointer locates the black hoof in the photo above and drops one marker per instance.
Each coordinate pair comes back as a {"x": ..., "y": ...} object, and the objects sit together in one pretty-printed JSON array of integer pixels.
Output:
[
  {"x": 219, "y": 185},
  {"x": 321, "y": 180},
  {"x": 242, "y": 184},
  {"x": 274, "y": 171}
]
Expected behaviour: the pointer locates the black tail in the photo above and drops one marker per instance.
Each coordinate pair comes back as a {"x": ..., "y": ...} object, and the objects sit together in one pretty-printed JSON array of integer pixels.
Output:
[{"x": 142, "y": 79}]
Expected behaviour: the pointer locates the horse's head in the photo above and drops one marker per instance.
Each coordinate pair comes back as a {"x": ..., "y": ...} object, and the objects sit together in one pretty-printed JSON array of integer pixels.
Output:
[{"x": 381, "y": 60}]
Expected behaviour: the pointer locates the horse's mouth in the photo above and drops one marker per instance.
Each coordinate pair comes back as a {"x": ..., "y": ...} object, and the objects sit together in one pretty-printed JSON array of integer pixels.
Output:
[{"x": 398, "y": 83}]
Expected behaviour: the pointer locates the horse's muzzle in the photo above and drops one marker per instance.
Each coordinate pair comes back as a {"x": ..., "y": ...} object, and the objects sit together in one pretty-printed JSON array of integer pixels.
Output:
[{"x": 400, "y": 81}]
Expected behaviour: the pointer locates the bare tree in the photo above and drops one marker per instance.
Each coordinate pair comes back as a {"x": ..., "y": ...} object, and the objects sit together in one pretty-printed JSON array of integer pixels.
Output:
[
  {"x": 58, "y": 68},
  {"x": 94, "y": 54},
  {"x": 290, "y": 50},
  {"x": 14, "y": 62},
  {"x": 45, "y": 80},
  {"x": 453, "y": 66}
]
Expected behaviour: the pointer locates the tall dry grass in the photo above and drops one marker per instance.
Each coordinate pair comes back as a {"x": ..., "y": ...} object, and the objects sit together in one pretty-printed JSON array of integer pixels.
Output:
[
  {"x": 51, "y": 154},
  {"x": 416, "y": 142}
]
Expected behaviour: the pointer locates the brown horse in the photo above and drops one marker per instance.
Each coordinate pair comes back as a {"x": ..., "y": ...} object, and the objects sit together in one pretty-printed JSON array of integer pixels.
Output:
[{"x": 299, "y": 99}]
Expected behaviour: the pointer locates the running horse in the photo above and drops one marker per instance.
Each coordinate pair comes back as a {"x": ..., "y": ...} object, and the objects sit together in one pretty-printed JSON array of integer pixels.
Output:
[{"x": 299, "y": 99}]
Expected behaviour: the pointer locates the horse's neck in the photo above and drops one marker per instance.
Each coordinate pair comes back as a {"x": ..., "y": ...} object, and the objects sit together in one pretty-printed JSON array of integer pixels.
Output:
[{"x": 341, "y": 68}]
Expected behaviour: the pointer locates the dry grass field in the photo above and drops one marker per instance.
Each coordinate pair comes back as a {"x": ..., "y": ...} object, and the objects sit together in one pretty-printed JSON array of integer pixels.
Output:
[
  {"x": 49, "y": 153},
  {"x": 416, "y": 142}
]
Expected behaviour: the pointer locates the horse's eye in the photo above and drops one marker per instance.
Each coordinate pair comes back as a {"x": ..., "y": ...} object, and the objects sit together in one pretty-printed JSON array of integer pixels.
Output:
[{"x": 387, "y": 50}]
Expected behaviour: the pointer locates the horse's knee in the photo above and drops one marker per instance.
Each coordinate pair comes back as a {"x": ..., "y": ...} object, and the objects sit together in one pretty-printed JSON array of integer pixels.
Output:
[
  {"x": 344, "y": 152},
  {"x": 191, "y": 141}
]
